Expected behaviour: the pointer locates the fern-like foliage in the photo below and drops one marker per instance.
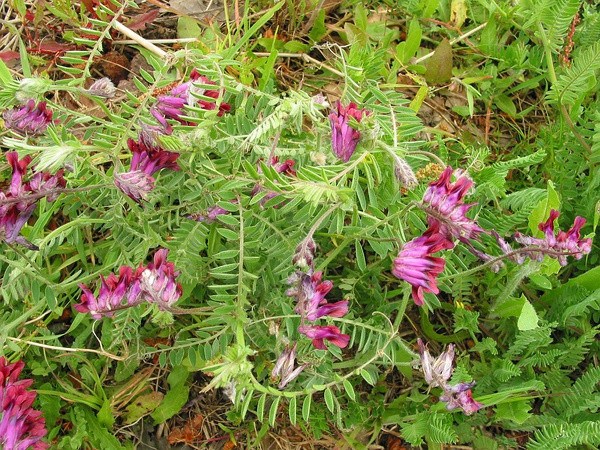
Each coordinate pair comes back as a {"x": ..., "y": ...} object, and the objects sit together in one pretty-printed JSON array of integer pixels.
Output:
[
  {"x": 577, "y": 79},
  {"x": 566, "y": 436}
]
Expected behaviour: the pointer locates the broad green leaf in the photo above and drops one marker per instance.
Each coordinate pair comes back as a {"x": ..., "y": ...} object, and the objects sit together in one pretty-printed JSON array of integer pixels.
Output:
[
  {"x": 188, "y": 28},
  {"x": 142, "y": 405},
  {"x": 439, "y": 65},
  {"x": 176, "y": 397},
  {"x": 528, "y": 320},
  {"x": 516, "y": 411}
]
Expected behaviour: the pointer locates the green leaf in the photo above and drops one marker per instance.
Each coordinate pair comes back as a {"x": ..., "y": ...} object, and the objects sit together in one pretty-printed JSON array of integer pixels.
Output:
[
  {"x": 273, "y": 411},
  {"x": 528, "y": 319},
  {"x": 292, "y": 410},
  {"x": 260, "y": 407},
  {"x": 188, "y": 28},
  {"x": 541, "y": 281},
  {"x": 360, "y": 256},
  {"x": 515, "y": 411},
  {"x": 142, "y": 406},
  {"x": 176, "y": 397},
  {"x": 328, "y": 394},
  {"x": 505, "y": 103},
  {"x": 306, "y": 407},
  {"x": 319, "y": 29},
  {"x": 439, "y": 65},
  {"x": 407, "y": 49},
  {"x": 5, "y": 75},
  {"x": 349, "y": 390}
]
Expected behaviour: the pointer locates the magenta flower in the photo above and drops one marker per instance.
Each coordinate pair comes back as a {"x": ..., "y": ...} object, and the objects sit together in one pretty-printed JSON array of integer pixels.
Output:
[
  {"x": 19, "y": 202},
  {"x": 443, "y": 202},
  {"x": 284, "y": 367},
  {"x": 116, "y": 293},
  {"x": 171, "y": 105},
  {"x": 154, "y": 283},
  {"x": 21, "y": 426},
  {"x": 29, "y": 119},
  {"x": 567, "y": 243},
  {"x": 416, "y": 266},
  {"x": 460, "y": 396},
  {"x": 344, "y": 138},
  {"x": 319, "y": 334},
  {"x": 311, "y": 304},
  {"x": 146, "y": 161},
  {"x": 310, "y": 293},
  {"x": 157, "y": 281}
]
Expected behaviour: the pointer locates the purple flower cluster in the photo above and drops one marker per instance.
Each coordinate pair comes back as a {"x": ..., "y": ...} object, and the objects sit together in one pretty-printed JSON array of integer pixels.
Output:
[
  {"x": 559, "y": 246},
  {"x": 29, "y": 119},
  {"x": 171, "y": 105},
  {"x": 311, "y": 304},
  {"x": 447, "y": 219},
  {"x": 148, "y": 158},
  {"x": 21, "y": 426},
  {"x": 155, "y": 283},
  {"x": 416, "y": 265},
  {"x": 344, "y": 138},
  {"x": 443, "y": 202},
  {"x": 437, "y": 373},
  {"x": 18, "y": 203}
]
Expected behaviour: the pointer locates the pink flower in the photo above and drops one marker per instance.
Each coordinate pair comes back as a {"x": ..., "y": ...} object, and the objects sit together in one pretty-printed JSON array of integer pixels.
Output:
[
  {"x": 19, "y": 202},
  {"x": 416, "y": 266},
  {"x": 460, "y": 396},
  {"x": 116, "y": 293},
  {"x": 344, "y": 138},
  {"x": 443, "y": 202},
  {"x": 21, "y": 427},
  {"x": 157, "y": 281},
  {"x": 29, "y": 119},
  {"x": 319, "y": 334},
  {"x": 171, "y": 105},
  {"x": 146, "y": 161},
  {"x": 154, "y": 283},
  {"x": 568, "y": 242},
  {"x": 310, "y": 294}
]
